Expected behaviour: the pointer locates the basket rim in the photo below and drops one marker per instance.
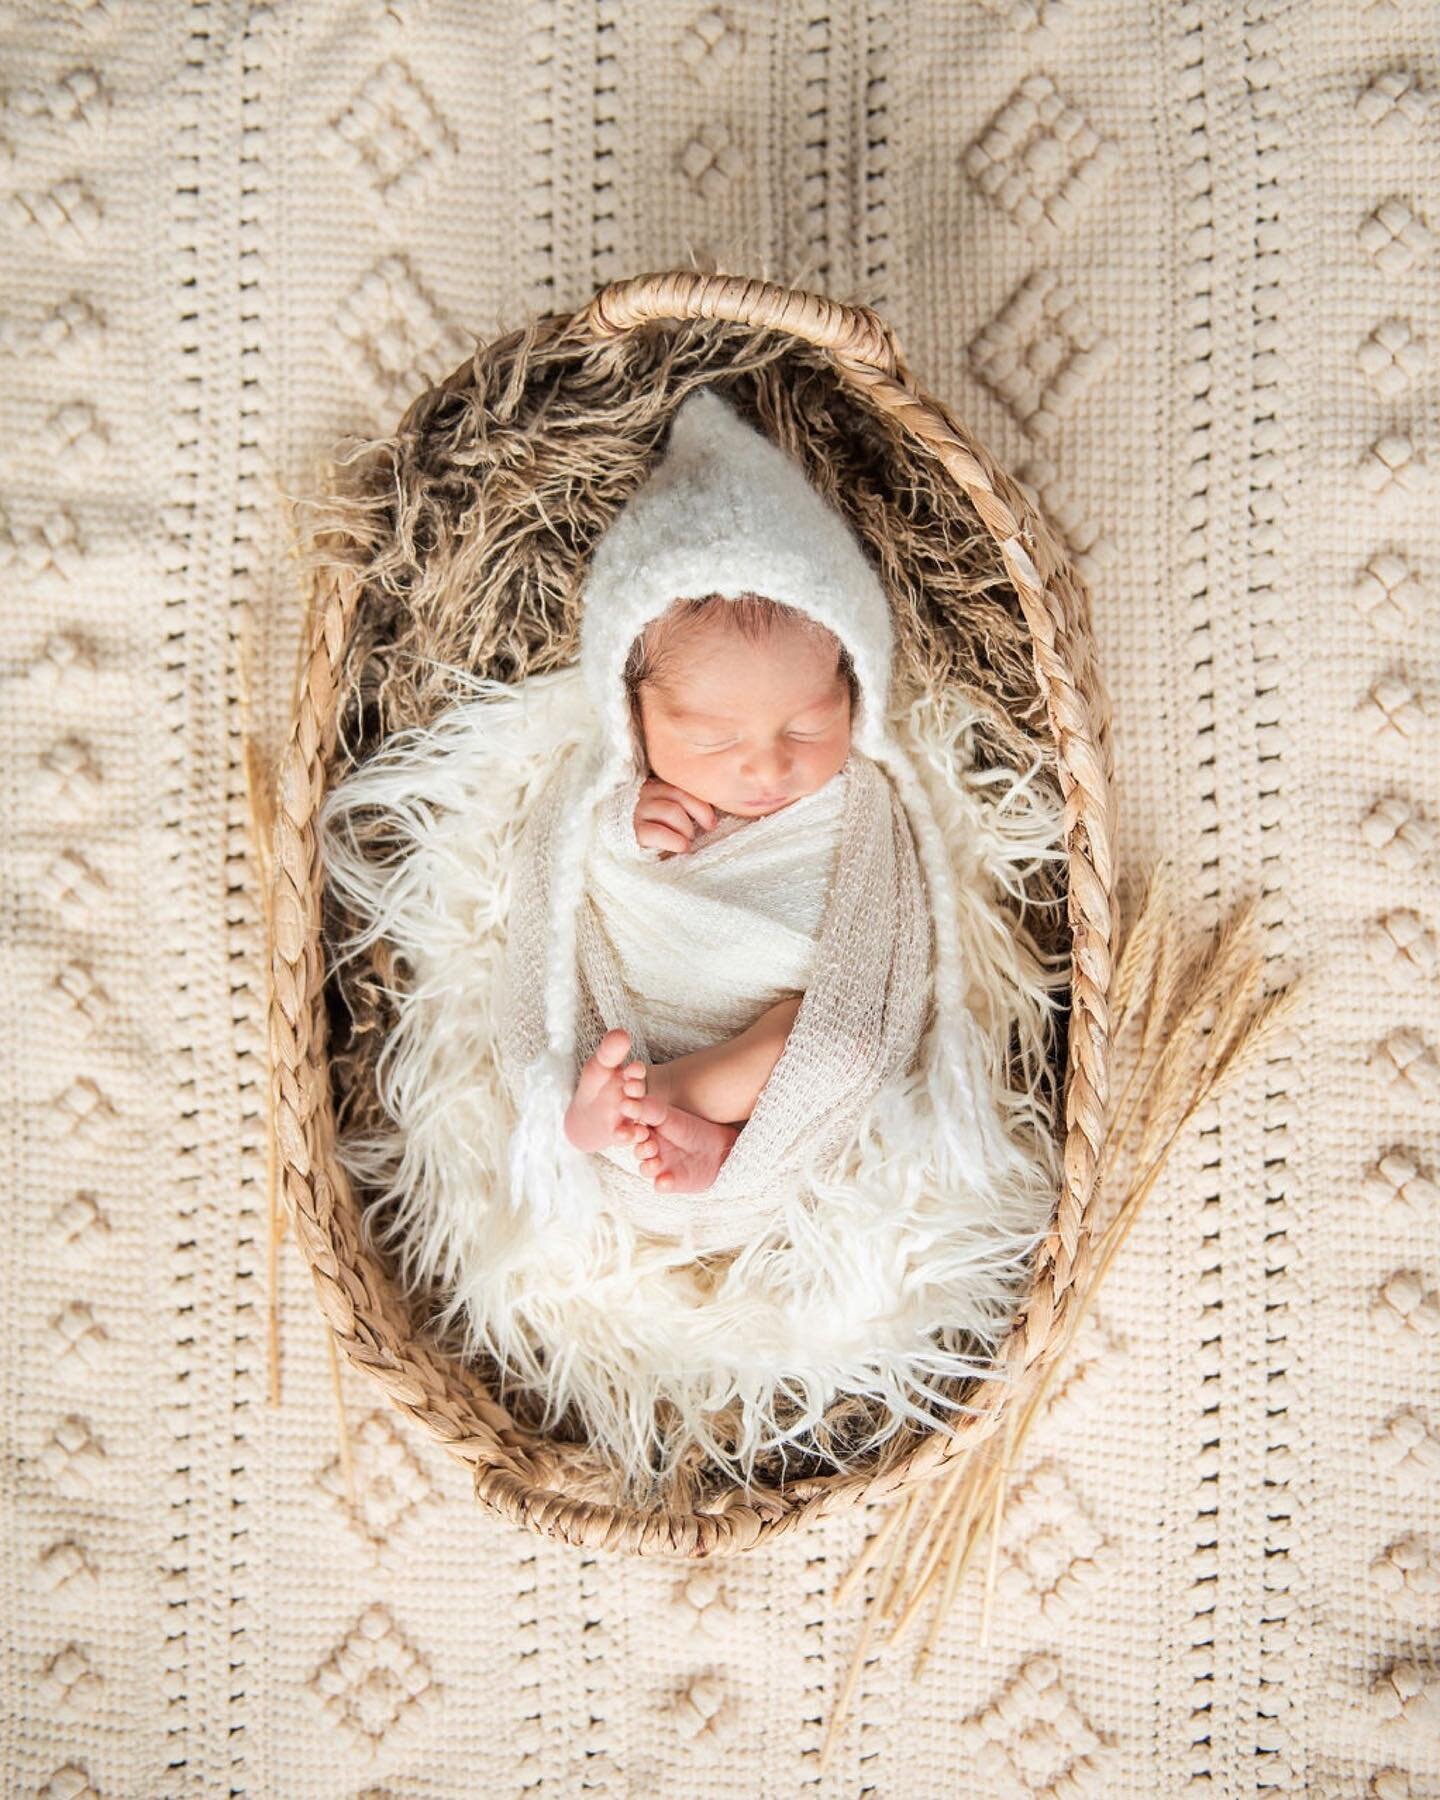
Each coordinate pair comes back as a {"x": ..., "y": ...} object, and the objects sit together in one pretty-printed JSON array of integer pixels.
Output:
[{"x": 356, "y": 1300}]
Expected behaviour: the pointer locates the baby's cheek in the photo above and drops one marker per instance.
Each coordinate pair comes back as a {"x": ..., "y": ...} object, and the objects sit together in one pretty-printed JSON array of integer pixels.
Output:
[
  {"x": 670, "y": 765},
  {"x": 694, "y": 774},
  {"x": 835, "y": 761}
]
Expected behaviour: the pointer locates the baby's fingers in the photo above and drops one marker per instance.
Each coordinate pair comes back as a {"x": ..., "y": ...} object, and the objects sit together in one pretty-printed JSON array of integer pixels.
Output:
[
  {"x": 668, "y": 812},
  {"x": 700, "y": 810},
  {"x": 651, "y": 835}
]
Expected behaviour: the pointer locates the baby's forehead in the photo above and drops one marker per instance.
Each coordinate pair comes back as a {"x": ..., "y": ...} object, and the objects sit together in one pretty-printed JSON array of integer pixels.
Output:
[
  {"x": 696, "y": 699},
  {"x": 695, "y": 641},
  {"x": 719, "y": 666},
  {"x": 750, "y": 660}
]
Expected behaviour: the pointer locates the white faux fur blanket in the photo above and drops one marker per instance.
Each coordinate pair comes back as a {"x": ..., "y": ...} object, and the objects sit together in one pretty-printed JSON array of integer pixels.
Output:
[{"x": 881, "y": 1279}]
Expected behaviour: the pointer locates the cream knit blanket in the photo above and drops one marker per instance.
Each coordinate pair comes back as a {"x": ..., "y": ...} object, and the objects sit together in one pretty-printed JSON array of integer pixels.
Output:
[{"x": 1177, "y": 266}]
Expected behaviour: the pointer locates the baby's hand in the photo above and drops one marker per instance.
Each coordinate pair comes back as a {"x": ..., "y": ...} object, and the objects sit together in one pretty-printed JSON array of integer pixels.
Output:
[{"x": 666, "y": 816}]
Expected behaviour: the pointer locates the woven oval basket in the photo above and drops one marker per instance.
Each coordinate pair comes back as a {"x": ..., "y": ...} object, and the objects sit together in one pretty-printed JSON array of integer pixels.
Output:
[{"x": 470, "y": 525}]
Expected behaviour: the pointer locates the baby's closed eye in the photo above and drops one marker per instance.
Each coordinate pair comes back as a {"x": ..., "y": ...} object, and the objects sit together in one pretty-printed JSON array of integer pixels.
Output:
[{"x": 798, "y": 737}]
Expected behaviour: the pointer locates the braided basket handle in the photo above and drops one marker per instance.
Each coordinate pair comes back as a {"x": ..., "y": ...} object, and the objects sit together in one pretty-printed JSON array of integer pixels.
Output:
[{"x": 853, "y": 334}]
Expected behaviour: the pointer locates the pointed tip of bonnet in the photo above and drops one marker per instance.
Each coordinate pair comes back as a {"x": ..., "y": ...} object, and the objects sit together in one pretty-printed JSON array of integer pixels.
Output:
[
  {"x": 701, "y": 413},
  {"x": 708, "y": 423}
]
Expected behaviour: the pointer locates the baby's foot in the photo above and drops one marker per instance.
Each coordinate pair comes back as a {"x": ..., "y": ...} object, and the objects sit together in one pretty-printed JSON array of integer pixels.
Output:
[
  {"x": 594, "y": 1119},
  {"x": 680, "y": 1152}
]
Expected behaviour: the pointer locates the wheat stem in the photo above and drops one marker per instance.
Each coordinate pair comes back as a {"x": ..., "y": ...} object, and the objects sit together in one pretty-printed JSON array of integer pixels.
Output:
[
  {"x": 941, "y": 1528},
  {"x": 876, "y": 1543},
  {"x": 966, "y": 1537},
  {"x": 995, "y": 1512},
  {"x": 939, "y": 1497}
]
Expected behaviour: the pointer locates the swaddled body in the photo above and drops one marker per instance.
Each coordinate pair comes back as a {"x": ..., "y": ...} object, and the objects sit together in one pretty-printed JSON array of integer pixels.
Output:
[
  {"x": 730, "y": 923},
  {"x": 714, "y": 949},
  {"x": 710, "y": 920}
]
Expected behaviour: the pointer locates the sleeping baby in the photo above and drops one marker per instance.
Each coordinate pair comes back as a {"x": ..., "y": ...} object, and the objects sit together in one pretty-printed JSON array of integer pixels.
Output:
[
  {"x": 741, "y": 708},
  {"x": 720, "y": 938}
]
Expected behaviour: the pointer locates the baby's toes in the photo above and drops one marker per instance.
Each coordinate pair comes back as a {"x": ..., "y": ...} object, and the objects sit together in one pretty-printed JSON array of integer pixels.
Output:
[
  {"x": 649, "y": 1109},
  {"x": 602, "y": 1070}
]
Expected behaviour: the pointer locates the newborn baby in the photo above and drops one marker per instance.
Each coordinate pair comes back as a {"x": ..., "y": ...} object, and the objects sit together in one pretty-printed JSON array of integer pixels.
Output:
[
  {"x": 719, "y": 934},
  {"x": 739, "y": 707}
]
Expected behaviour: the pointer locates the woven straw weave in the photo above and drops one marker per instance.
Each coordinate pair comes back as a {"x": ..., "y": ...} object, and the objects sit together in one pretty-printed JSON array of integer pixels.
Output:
[
  {"x": 1176, "y": 267},
  {"x": 514, "y": 1470}
]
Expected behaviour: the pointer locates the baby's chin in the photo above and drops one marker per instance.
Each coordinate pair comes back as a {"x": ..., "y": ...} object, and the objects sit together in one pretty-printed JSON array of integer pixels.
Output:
[{"x": 759, "y": 809}]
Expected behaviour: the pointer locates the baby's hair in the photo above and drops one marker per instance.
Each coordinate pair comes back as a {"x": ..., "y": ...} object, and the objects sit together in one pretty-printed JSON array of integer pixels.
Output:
[{"x": 755, "y": 615}]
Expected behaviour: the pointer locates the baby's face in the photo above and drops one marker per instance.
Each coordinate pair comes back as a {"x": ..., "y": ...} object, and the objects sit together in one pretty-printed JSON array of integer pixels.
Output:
[{"x": 750, "y": 727}]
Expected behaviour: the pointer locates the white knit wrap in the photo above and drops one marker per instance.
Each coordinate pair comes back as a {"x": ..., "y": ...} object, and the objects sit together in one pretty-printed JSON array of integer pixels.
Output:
[{"x": 822, "y": 899}]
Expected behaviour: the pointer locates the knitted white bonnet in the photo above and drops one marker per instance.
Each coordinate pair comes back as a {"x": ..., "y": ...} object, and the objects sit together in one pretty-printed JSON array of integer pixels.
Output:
[{"x": 726, "y": 511}]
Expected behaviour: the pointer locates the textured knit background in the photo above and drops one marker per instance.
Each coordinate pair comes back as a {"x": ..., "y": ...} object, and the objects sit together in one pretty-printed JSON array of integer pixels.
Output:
[{"x": 1177, "y": 265}]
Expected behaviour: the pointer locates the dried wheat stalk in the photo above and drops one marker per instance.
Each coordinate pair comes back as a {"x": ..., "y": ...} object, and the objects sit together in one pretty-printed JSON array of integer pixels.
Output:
[
  {"x": 260, "y": 793},
  {"x": 1200, "y": 1019}
]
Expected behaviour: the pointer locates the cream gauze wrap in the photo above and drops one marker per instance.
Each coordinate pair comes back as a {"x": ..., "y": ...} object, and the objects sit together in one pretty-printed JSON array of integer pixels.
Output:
[{"x": 823, "y": 898}]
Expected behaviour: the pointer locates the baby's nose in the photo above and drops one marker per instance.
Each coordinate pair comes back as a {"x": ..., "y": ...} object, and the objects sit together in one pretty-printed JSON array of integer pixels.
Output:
[{"x": 767, "y": 765}]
